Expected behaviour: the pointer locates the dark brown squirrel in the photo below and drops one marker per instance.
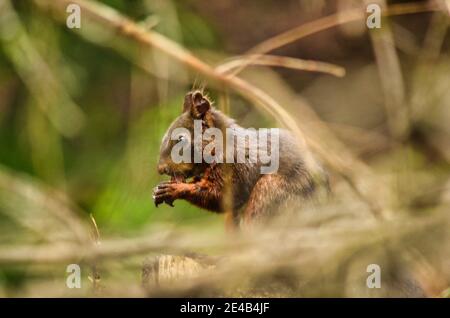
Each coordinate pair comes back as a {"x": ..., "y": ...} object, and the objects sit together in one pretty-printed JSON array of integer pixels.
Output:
[{"x": 214, "y": 185}]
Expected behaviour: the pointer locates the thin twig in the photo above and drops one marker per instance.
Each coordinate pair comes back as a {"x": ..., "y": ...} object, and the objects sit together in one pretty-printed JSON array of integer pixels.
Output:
[
  {"x": 281, "y": 61},
  {"x": 331, "y": 21}
]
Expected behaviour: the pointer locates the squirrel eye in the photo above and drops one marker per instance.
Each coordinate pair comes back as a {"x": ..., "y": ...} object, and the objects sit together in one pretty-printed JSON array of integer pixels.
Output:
[{"x": 181, "y": 138}]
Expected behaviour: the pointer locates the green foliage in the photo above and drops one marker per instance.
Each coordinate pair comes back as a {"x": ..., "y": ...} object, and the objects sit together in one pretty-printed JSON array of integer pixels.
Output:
[{"x": 109, "y": 167}]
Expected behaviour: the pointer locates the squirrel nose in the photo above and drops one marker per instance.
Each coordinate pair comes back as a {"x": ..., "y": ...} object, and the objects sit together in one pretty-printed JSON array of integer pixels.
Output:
[{"x": 163, "y": 169}]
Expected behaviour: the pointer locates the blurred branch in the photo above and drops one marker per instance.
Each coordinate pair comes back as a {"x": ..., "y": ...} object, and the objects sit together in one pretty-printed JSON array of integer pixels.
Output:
[
  {"x": 363, "y": 141},
  {"x": 446, "y": 4},
  {"x": 54, "y": 202},
  {"x": 162, "y": 65},
  {"x": 391, "y": 78},
  {"x": 333, "y": 20},
  {"x": 425, "y": 88},
  {"x": 237, "y": 249},
  {"x": 435, "y": 36},
  {"x": 337, "y": 19},
  {"x": 281, "y": 61},
  {"x": 48, "y": 92},
  {"x": 405, "y": 40},
  {"x": 302, "y": 260},
  {"x": 66, "y": 253}
]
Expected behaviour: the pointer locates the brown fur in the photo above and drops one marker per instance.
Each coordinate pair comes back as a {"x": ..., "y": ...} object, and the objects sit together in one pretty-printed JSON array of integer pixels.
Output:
[{"x": 260, "y": 194}]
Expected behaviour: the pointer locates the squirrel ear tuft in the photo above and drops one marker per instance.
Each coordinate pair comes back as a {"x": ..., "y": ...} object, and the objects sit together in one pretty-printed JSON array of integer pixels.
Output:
[
  {"x": 187, "y": 102},
  {"x": 199, "y": 105}
]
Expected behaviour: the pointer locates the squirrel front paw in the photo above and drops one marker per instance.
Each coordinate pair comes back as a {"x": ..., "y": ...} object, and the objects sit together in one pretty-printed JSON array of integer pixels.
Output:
[{"x": 166, "y": 192}]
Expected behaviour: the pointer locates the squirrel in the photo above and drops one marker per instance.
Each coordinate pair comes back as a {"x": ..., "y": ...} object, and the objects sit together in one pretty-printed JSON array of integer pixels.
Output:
[{"x": 239, "y": 189}]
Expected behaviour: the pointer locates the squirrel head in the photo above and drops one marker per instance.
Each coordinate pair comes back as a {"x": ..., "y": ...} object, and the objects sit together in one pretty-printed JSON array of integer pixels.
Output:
[{"x": 196, "y": 106}]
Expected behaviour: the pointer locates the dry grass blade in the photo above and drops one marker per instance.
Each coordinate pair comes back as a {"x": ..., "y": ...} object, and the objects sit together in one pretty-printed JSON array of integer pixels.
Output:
[
  {"x": 281, "y": 61},
  {"x": 96, "y": 232}
]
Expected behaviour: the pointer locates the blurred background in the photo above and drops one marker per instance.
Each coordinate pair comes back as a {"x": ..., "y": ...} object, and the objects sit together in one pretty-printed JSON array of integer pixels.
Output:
[{"x": 82, "y": 113}]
